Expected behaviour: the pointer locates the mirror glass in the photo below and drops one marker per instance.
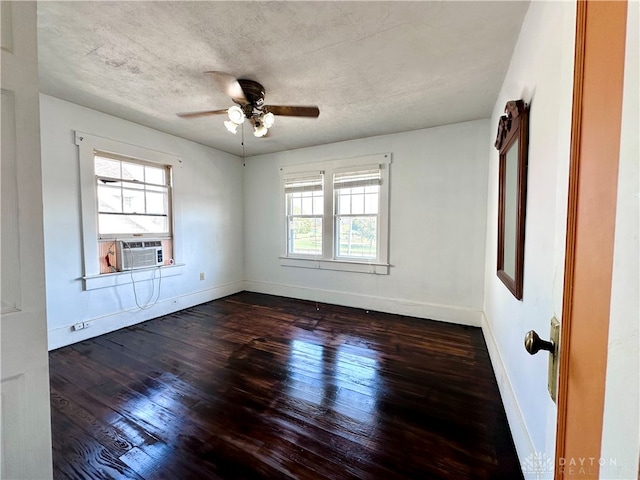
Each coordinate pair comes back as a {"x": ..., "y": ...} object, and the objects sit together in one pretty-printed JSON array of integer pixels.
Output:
[{"x": 510, "y": 210}]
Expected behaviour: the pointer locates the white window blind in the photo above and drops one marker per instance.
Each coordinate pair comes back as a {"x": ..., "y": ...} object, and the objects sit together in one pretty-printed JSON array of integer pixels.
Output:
[
  {"x": 307, "y": 183},
  {"x": 361, "y": 178}
]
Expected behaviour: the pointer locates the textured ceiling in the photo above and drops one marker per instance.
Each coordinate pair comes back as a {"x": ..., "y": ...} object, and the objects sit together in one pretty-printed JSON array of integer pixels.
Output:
[{"x": 371, "y": 67}]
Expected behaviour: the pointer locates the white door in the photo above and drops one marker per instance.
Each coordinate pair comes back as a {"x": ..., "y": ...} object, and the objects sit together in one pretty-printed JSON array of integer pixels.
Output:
[{"x": 26, "y": 426}]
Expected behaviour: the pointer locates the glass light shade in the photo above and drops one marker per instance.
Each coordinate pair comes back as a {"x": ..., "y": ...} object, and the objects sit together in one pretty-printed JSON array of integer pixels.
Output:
[
  {"x": 236, "y": 115},
  {"x": 231, "y": 126},
  {"x": 260, "y": 130},
  {"x": 268, "y": 119}
]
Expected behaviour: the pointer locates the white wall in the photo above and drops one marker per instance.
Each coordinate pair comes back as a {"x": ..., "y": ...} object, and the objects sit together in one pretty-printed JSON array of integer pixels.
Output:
[
  {"x": 437, "y": 226},
  {"x": 621, "y": 428},
  {"x": 208, "y": 212},
  {"x": 541, "y": 73}
]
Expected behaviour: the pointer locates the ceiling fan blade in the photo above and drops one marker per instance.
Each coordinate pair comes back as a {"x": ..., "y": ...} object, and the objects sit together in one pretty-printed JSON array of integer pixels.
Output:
[
  {"x": 201, "y": 114},
  {"x": 230, "y": 85},
  {"x": 310, "y": 111}
]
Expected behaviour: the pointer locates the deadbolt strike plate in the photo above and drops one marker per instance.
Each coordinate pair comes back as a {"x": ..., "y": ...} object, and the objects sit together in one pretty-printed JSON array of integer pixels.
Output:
[{"x": 552, "y": 383}]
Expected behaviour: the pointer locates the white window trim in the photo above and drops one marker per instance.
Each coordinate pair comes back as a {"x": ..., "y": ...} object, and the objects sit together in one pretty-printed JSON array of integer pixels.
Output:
[
  {"x": 87, "y": 146},
  {"x": 328, "y": 260},
  {"x": 115, "y": 279}
]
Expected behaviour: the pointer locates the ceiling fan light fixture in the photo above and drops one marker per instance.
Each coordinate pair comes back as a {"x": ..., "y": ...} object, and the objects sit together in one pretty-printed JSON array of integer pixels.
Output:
[
  {"x": 231, "y": 126},
  {"x": 268, "y": 119},
  {"x": 260, "y": 130},
  {"x": 236, "y": 115}
]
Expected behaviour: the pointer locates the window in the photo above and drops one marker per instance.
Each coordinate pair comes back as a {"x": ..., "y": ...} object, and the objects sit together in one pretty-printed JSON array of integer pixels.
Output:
[
  {"x": 356, "y": 213},
  {"x": 126, "y": 191},
  {"x": 336, "y": 214},
  {"x": 133, "y": 197},
  {"x": 305, "y": 204}
]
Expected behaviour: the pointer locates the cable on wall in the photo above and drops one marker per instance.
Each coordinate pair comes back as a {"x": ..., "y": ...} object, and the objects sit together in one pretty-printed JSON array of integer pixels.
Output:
[{"x": 133, "y": 282}]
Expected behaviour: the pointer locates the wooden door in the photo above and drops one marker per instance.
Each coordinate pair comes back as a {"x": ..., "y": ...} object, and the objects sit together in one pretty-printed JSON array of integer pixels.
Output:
[
  {"x": 26, "y": 432},
  {"x": 593, "y": 180}
]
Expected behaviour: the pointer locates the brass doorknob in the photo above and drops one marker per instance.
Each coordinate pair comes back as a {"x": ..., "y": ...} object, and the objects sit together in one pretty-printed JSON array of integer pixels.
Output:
[{"x": 533, "y": 343}]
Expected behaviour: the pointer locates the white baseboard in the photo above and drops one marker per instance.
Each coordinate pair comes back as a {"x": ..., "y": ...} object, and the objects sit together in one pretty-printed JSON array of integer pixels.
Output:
[
  {"x": 445, "y": 313},
  {"x": 63, "y": 336},
  {"x": 521, "y": 437}
]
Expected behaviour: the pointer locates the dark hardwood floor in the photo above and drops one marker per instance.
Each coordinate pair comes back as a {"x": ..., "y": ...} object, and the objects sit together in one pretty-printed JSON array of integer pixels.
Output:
[{"x": 255, "y": 386}]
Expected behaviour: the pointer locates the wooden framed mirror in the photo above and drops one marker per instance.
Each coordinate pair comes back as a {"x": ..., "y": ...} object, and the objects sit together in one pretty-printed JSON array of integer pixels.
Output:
[{"x": 512, "y": 143}]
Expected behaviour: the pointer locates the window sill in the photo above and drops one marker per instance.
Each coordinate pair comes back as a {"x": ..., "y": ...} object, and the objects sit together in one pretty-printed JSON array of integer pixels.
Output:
[
  {"x": 336, "y": 265},
  {"x": 93, "y": 282}
]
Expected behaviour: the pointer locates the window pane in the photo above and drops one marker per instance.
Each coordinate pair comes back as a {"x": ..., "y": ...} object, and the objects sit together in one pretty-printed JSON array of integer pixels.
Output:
[
  {"x": 307, "y": 205},
  {"x": 156, "y": 202},
  {"x": 357, "y": 237},
  {"x": 296, "y": 205},
  {"x": 305, "y": 236},
  {"x": 318, "y": 205},
  {"x": 371, "y": 203},
  {"x": 357, "y": 204},
  {"x": 132, "y": 171},
  {"x": 105, "y": 167},
  {"x": 344, "y": 204},
  {"x": 109, "y": 199},
  {"x": 137, "y": 202},
  {"x": 133, "y": 201},
  {"x": 126, "y": 224},
  {"x": 354, "y": 201},
  {"x": 154, "y": 175}
]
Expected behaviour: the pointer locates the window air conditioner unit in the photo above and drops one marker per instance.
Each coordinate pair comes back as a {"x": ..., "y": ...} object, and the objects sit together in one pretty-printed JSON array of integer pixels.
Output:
[{"x": 138, "y": 254}]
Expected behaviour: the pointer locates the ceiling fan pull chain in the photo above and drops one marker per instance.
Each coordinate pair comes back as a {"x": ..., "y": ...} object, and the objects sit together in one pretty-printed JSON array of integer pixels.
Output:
[{"x": 243, "y": 142}]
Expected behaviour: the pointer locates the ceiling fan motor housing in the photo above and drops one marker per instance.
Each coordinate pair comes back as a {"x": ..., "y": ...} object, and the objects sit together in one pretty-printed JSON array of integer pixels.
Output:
[{"x": 253, "y": 91}]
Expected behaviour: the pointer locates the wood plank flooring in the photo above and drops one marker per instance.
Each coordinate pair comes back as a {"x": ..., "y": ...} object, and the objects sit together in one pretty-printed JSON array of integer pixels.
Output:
[{"x": 255, "y": 386}]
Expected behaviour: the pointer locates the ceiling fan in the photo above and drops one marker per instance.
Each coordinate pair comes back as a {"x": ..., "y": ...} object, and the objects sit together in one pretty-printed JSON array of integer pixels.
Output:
[{"x": 249, "y": 98}]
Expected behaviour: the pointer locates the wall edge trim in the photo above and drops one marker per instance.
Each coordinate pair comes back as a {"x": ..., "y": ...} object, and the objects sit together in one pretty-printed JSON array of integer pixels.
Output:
[
  {"x": 522, "y": 440},
  {"x": 63, "y": 336},
  {"x": 444, "y": 313}
]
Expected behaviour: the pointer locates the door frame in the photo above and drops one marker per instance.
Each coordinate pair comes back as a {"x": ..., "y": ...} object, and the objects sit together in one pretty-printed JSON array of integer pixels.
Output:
[
  {"x": 591, "y": 214},
  {"x": 25, "y": 450}
]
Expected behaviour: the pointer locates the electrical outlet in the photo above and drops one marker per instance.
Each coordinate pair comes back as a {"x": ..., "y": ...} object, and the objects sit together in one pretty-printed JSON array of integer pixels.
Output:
[
  {"x": 201, "y": 275},
  {"x": 78, "y": 326},
  {"x": 87, "y": 324}
]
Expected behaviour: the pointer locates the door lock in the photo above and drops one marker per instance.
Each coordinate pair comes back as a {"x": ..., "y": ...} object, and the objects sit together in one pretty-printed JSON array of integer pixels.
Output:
[{"x": 533, "y": 344}]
